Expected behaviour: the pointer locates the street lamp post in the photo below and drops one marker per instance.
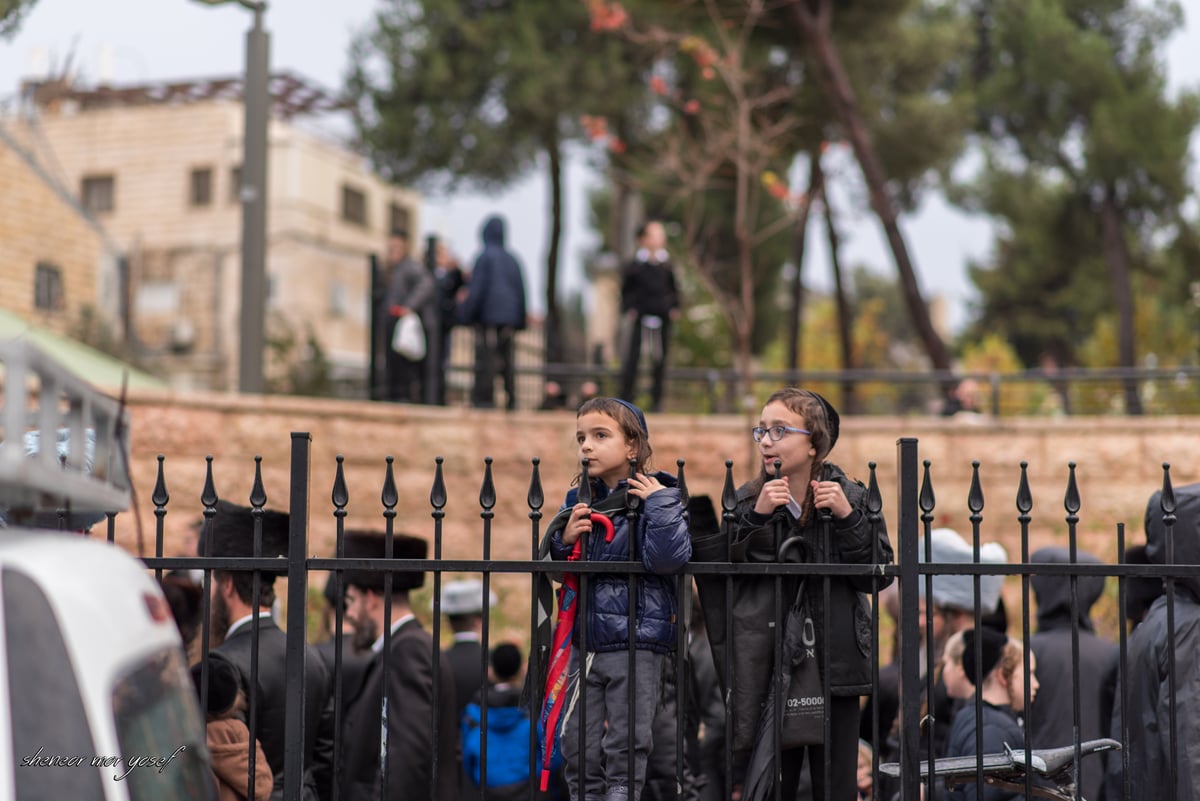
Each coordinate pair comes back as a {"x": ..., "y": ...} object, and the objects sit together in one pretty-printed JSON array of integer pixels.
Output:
[{"x": 253, "y": 192}]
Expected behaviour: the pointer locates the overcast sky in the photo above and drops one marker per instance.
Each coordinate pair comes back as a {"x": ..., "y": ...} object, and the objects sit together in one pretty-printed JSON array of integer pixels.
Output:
[{"x": 129, "y": 41}]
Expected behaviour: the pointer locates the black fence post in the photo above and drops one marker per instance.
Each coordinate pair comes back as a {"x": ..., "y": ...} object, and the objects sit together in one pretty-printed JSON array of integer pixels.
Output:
[
  {"x": 297, "y": 617},
  {"x": 910, "y": 601},
  {"x": 434, "y": 374},
  {"x": 376, "y": 337}
]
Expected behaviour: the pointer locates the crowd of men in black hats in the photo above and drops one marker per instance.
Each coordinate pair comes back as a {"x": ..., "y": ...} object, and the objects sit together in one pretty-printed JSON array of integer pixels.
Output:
[{"x": 385, "y": 675}]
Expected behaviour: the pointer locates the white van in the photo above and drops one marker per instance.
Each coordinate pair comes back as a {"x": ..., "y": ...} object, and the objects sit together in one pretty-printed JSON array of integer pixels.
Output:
[
  {"x": 100, "y": 704},
  {"x": 96, "y": 702}
]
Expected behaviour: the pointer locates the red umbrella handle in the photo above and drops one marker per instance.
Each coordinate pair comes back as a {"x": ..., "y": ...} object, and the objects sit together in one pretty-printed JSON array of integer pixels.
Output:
[
  {"x": 602, "y": 520},
  {"x": 605, "y": 522}
]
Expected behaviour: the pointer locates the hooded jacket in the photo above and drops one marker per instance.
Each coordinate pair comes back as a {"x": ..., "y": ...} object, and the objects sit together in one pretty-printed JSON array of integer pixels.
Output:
[
  {"x": 496, "y": 293},
  {"x": 1148, "y": 712},
  {"x": 229, "y": 745},
  {"x": 507, "y": 744},
  {"x": 753, "y": 606},
  {"x": 1051, "y": 718},
  {"x": 663, "y": 547}
]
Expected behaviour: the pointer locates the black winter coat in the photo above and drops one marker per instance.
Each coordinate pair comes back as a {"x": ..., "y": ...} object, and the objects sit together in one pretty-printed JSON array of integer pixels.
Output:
[
  {"x": 410, "y": 715},
  {"x": 1149, "y": 666},
  {"x": 1052, "y": 717},
  {"x": 753, "y": 603},
  {"x": 648, "y": 287}
]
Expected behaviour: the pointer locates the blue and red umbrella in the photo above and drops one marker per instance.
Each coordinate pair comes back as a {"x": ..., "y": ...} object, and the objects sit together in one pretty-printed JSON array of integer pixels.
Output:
[{"x": 557, "y": 683}]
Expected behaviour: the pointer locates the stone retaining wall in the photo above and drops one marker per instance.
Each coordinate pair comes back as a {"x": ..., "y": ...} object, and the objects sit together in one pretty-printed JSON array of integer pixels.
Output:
[{"x": 1118, "y": 464}]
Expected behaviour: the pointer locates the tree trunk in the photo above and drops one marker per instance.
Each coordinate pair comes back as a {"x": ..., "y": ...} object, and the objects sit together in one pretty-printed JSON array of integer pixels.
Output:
[
  {"x": 1116, "y": 255},
  {"x": 816, "y": 183},
  {"x": 745, "y": 250},
  {"x": 553, "y": 350},
  {"x": 815, "y": 28},
  {"x": 844, "y": 314}
]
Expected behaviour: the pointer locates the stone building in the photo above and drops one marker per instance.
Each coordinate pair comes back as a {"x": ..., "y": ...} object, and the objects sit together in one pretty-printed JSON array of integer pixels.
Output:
[
  {"x": 57, "y": 265},
  {"x": 158, "y": 167}
]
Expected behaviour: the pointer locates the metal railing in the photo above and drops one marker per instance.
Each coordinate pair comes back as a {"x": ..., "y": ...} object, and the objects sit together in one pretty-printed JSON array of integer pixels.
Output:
[{"x": 914, "y": 570}]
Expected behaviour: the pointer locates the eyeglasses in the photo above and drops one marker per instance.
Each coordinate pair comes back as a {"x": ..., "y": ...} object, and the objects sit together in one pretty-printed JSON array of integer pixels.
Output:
[{"x": 776, "y": 433}]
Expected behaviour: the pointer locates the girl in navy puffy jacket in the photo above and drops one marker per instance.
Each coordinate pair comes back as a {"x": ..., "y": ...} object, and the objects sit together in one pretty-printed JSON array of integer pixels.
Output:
[{"x": 610, "y": 433}]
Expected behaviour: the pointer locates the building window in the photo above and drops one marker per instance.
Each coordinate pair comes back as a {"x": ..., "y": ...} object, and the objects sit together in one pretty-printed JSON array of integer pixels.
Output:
[
  {"x": 200, "y": 193},
  {"x": 98, "y": 193},
  {"x": 354, "y": 205},
  {"x": 235, "y": 184},
  {"x": 398, "y": 217},
  {"x": 338, "y": 300},
  {"x": 47, "y": 287}
]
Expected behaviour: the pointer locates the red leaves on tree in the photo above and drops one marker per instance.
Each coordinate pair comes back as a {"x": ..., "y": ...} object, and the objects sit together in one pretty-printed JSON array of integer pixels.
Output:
[{"x": 607, "y": 16}]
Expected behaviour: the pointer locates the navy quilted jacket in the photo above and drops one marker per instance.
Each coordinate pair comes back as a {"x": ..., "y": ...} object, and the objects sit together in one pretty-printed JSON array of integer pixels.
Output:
[{"x": 664, "y": 548}]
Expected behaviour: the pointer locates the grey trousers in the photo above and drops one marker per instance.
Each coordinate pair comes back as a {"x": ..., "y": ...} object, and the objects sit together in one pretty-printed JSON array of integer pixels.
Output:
[{"x": 611, "y": 729}]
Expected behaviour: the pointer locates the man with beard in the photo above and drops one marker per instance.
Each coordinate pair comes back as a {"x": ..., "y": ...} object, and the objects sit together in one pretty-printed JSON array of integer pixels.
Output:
[
  {"x": 395, "y": 697},
  {"x": 233, "y": 628},
  {"x": 354, "y": 660}
]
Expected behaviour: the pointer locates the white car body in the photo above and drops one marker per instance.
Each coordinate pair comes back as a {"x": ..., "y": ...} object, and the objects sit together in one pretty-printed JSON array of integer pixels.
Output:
[{"x": 92, "y": 671}]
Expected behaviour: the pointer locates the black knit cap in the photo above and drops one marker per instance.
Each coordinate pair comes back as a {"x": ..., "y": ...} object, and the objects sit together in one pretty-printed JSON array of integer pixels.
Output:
[
  {"x": 506, "y": 660},
  {"x": 831, "y": 414},
  {"x": 223, "y": 680},
  {"x": 372, "y": 545},
  {"x": 993, "y": 643}
]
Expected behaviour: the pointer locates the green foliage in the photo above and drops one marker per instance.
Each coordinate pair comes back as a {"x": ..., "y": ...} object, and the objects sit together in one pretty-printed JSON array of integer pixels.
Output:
[
  {"x": 872, "y": 348},
  {"x": 1045, "y": 283},
  {"x": 884, "y": 291},
  {"x": 452, "y": 92},
  {"x": 1169, "y": 337},
  {"x": 994, "y": 355},
  {"x": 11, "y": 13},
  {"x": 912, "y": 100},
  {"x": 1075, "y": 120}
]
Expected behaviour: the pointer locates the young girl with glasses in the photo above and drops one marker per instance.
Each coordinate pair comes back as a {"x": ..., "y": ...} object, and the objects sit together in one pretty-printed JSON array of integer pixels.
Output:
[{"x": 795, "y": 434}]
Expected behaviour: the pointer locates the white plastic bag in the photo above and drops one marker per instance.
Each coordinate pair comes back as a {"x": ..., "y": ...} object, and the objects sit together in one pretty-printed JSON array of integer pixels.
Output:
[{"x": 408, "y": 337}]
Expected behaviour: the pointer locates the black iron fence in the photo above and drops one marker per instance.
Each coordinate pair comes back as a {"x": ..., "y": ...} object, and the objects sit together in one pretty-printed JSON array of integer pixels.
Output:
[{"x": 1165, "y": 747}]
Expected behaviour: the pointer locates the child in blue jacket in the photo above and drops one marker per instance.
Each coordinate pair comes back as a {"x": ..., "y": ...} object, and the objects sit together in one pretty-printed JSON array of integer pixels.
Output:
[
  {"x": 611, "y": 432},
  {"x": 507, "y": 734}
]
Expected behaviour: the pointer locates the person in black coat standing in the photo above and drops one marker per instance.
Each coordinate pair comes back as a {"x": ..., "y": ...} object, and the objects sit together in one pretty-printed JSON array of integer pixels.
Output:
[
  {"x": 1146, "y": 705},
  {"x": 233, "y": 617},
  {"x": 462, "y": 604},
  {"x": 798, "y": 428},
  {"x": 410, "y": 290},
  {"x": 451, "y": 283},
  {"x": 396, "y": 695},
  {"x": 649, "y": 301},
  {"x": 1052, "y": 715},
  {"x": 495, "y": 306}
]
